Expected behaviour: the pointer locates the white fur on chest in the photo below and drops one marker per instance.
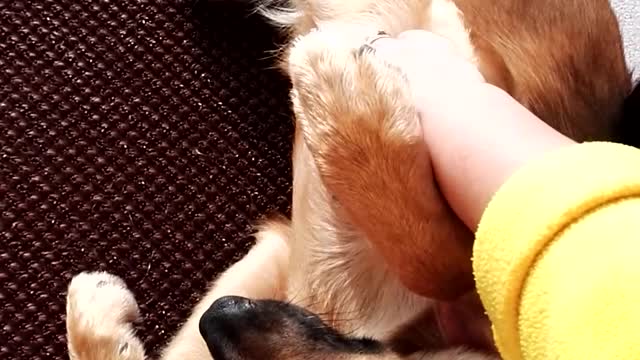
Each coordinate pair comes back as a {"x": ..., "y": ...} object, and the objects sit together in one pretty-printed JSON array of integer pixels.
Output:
[
  {"x": 387, "y": 305},
  {"x": 352, "y": 289},
  {"x": 335, "y": 273}
]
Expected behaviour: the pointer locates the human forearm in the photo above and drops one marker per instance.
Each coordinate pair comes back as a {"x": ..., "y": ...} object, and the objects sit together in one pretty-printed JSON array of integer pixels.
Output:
[{"x": 486, "y": 137}]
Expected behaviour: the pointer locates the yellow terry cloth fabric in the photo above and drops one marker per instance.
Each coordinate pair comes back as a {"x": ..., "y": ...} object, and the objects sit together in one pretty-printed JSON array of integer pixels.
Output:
[{"x": 557, "y": 256}]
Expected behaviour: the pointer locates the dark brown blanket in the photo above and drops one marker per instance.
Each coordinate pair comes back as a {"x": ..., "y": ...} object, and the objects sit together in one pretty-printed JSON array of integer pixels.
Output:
[{"x": 141, "y": 137}]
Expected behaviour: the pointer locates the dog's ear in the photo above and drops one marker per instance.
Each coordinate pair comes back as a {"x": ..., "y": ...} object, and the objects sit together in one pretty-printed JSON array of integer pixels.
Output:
[{"x": 630, "y": 126}]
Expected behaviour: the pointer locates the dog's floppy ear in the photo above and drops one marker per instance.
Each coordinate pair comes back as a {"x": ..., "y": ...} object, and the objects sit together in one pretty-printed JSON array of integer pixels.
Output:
[{"x": 630, "y": 126}]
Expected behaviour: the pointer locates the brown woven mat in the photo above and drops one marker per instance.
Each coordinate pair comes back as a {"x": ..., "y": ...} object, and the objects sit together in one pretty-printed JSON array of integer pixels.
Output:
[{"x": 138, "y": 137}]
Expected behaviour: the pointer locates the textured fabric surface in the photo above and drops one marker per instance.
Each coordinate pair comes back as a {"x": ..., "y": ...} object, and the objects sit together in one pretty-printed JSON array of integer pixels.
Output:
[{"x": 139, "y": 137}]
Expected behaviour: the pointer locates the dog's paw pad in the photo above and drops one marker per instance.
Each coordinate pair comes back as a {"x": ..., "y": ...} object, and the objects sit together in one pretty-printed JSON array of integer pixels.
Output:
[
  {"x": 100, "y": 297},
  {"x": 100, "y": 310}
]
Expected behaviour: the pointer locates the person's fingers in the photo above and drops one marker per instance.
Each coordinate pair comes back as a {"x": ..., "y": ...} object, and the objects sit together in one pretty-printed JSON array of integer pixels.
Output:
[
  {"x": 431, "y": 63},
  {"x": 428, "y": 39},
  {"x": 420, "y": 40}
]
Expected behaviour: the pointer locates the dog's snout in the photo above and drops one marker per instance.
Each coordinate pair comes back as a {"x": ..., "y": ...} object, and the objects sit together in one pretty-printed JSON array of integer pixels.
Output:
[
  {"x": 226, "y": 319},
  {"x": 232, "y": 304}
]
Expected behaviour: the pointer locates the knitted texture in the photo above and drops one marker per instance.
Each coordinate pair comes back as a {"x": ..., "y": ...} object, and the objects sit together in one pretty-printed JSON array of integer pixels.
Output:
[{"x": 140, "y": 137}]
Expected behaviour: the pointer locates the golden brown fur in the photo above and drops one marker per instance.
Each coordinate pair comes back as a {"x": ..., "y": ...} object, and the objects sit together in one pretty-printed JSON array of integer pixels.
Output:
[{"x": 368, "y": 223}]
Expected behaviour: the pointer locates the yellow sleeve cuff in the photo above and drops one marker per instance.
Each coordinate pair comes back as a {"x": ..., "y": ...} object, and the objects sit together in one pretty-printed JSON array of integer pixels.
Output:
[{"x": 529, "y": 211}]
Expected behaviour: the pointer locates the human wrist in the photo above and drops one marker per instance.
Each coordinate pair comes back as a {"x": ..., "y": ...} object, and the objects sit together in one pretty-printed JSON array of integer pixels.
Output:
[{"x": 477, "y": 140}]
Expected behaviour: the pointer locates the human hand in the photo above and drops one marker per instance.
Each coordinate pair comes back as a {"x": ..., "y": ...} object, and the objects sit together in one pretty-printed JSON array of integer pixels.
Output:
[
  {"x": 477, "y": 134},
  {"x": 435, "y": 69}
]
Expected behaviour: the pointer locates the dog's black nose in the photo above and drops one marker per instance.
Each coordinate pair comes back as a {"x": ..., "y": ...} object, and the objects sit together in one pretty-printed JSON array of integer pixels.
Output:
[
  {"x": 225, "y": 320},
  {"x": 232, "y": 304}
]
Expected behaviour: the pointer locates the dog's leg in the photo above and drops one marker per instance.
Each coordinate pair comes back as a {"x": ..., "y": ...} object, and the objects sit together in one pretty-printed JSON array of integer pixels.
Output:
[
  {"x": 100, "y": 310},
  {"x": 261, "y": 274},
  {"x": 358, "y": 120}
]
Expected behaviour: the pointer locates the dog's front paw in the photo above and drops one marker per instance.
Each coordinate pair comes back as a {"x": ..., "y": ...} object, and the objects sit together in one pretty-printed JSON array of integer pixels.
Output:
[
  {"x": 100, "y": 310},
  {"x": 341, "y": 88},
  {"x": 357, "y": 116}
]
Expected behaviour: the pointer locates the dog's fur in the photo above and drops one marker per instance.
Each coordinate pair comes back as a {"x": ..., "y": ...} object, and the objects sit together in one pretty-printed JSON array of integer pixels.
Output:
[{"x": 371, "y": 243}]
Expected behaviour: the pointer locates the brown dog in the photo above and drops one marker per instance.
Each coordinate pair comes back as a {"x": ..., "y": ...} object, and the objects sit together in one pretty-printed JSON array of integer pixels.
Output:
[{"x": 372, "y": 245}]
